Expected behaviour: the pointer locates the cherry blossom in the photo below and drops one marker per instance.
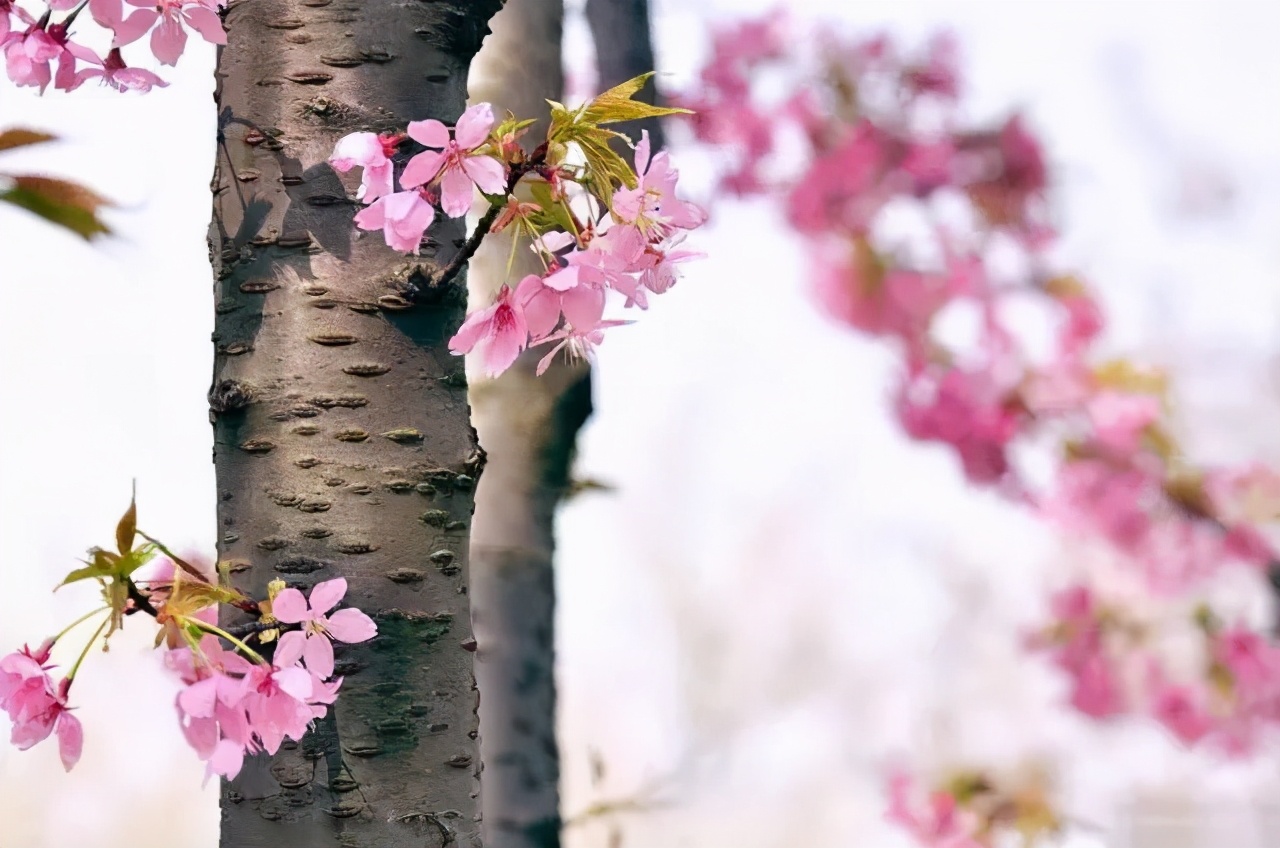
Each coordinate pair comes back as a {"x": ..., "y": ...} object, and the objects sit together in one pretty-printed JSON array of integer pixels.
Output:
[
  {"x": 373, "y": 153},
  {"x": 403, "y": 217},
  {"x": 36, "y": 706},
  {"x": 319, "y": 625},
  {"x": 112, "y": 71},
  {"x": 166, "y": 20},
  {"x": 454, "y": 161},
  {"x": 497, "y": 333}
]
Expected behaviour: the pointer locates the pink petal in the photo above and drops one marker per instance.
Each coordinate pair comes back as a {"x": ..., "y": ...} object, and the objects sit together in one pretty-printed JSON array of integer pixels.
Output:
[
  {"x": 294, "y": 681},
  {"x": 564, "y": 279},
  {"x": 583, "y": 307},
  {"x": 227, "y": 759},
  {"x": 421, "y": 169},
  {"x": 106, "y": 12},
  {"x": 474, "y": 125},
  {"x": 290, "y": 606},
  {"x": 351, "y": 625},
  {"x": 472, "y": 330},
  {"x": 542, "y": 311},
  {"x": 206, "y": 22},
  {"x": 197, "y": 700},
  {"x": 487, "y": 173},
  {"x": 168, "y": 40},
  {"x": 375, "y": 182},
  {"x": 200, "y": 733},
  {"x": 134, "y": 27},
  {"x": 291, "y": 648},
  {"x": 431, "y": 133},
  {"x": 70, "y": 740},
  {"x": 373, "y": 216},
  {"x": 456, "y": 193},
  {"x": 319, "y": 656},
  {"x": 325, "y": 596},
  {"x": 362, "y": 148}
]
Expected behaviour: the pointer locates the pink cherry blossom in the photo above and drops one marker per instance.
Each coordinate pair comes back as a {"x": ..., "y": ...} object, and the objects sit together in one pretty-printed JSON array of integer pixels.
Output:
[
  {"x": 1120, "y": 419},
  {"x": 28, "y": 55},
  {"x": 454, "y": 162},
  {"x": 276, "y": 702},
  {"x": 652, "y": 206},
  {"x": 36, "y": 706},
  {"x": 319, "y": 625},
  {"x": 113, "y": 72},
  {"x": 1181, "y": 711},
  {"x": 166, "y": 20},
  {"x": 496, "y": 334},
  {"x": 403, "y": 217},
  {"x": 371, "y": 152},
  {"x": 936, "y": 821},
  {"x": 579, "y": 342}
]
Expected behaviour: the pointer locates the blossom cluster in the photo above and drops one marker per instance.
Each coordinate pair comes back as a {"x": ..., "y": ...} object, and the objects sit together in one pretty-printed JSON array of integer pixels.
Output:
[
  {"x": 39, "y": 49},
  {"x": 916, "y": 223},
  {"x": 237, "y": 698},
  {"x": 597, "y": 227}
]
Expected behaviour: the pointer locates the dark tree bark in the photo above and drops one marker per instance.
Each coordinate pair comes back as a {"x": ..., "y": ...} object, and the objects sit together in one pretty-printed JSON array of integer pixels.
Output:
[
  {"x": 343, "y": 443},
  {"x": 624, "y": 50},
  {"x": 527, "y": 426}
]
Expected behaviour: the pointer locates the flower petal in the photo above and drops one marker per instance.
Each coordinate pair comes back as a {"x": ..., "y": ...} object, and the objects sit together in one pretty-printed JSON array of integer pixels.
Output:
[
  {"x": 206, "y": 22},
  {"x": 168, "y": 40},
  {"x": 456, "y": 193},
  {"x": 70, "y": 740},
  {"x": 431, "y": 133},
  {"x": 487, "y": 173},
  {"x": 351, "y": 625},
  {"x": 290, "y": 607},
  {"x": 319, "y": 656},
  {"x": 421, "y": 169},
  {"x": 291, "y": 647},
  {"x": 474, "y": 125},
  {"x": 325, "y": 596},
  {"x": 361, "y": 148},
  {"x": 294, "y": 682}
]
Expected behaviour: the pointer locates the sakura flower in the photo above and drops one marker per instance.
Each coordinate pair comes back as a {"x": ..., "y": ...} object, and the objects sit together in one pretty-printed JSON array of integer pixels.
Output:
[
  {"x": 28, "y": 55},
  {"x": 372, "y": 153},
  {"x": 543, "y": 305},
  {"x": 170, "y": 19},
  {"x": 276, "y": 700},
  {"x": 937, "y": 823},
  {"x": 1178, "y": 709},
  {"x": 579, "y": 342},
  {"x": 1119, "y": 419},
  {"x": 318, "y": 625},
  {"x": 403, "y": 218},
  {"x": 36, "y": 707},
  {"x": 454, "y": 161},
  {"x": 113, "y": 72},
  {"x": 496, "y": 334},
  {"x": 652, "y": 205}
]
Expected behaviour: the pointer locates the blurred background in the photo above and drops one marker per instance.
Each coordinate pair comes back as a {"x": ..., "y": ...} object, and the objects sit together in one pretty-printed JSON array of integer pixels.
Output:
[{"x": 778, "y": 590}]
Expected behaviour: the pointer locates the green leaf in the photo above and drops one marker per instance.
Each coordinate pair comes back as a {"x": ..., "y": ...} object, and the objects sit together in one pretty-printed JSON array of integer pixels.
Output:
[
  {"x": 134, "y": 560},
  {"x": 89, "y": 572},
  {"x": 128, "y": 525},
  {"x": 553, "y": 213},
  {"x": 60, "y": 202},
  {"x": 617, "y": 104},
  {"x": 10, "y": 139}
]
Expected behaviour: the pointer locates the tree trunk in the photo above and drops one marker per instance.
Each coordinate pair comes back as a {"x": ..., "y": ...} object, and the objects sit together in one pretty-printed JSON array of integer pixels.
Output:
[
  {"x": 343, "y": 445},
  {"x": 624, "y": 50},
  {"x": 527, "y": 426}
]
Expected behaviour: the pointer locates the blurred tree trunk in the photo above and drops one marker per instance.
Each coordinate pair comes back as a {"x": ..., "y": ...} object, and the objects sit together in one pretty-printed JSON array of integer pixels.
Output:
[
  {"x": 624, "y": 50},
  {"x": 527, "y": 426},
  {"x": 343, "y": 445}
]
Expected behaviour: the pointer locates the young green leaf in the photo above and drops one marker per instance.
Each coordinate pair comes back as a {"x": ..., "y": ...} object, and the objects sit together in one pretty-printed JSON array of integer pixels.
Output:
[
  {"x": 617, "y": 104},
  {"x": 60, "y": 202}
]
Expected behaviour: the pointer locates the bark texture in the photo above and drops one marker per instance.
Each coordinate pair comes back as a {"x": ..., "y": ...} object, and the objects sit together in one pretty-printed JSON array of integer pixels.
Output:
[
  {"x": 624, "y": 50},
  {"x": 343, "y": 445},
  {"x": 527, "y": 427}
]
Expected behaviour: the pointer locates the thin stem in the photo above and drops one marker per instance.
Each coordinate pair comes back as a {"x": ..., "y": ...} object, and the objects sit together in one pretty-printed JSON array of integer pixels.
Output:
[
  {"x": 239, "y": 645},
  {"x": 470, "y": 248},
  {"x": 79, "y": 621},
  {"x": 71, "y": 675}
]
